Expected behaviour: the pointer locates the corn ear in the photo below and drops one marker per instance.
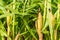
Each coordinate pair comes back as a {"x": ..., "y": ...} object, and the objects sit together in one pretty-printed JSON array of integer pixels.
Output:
[
  {"x": 52, "y": 20},
  {"x": 51, "y": 24},
  {"x": 39, "y": 26}
]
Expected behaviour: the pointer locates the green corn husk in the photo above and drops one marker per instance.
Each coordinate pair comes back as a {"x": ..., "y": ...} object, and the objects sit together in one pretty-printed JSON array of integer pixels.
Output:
[{"x": 51, "y": 24}]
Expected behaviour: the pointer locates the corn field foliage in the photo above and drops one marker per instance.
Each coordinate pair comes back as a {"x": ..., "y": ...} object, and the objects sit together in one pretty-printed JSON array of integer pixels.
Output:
[{"x": 29, "y": 19}]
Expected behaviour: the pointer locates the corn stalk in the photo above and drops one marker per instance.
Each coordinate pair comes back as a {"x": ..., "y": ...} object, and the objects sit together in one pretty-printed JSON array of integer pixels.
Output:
[
  {"x": 13, "y": 19},
  {"x": 8, "y": 23},
  {"x": 58, "y": 16},
  {"x": 44, "y": 15}
]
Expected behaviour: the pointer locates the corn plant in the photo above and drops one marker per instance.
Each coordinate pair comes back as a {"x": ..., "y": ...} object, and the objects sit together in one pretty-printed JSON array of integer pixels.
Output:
[{"x": 29, "y": 19}]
